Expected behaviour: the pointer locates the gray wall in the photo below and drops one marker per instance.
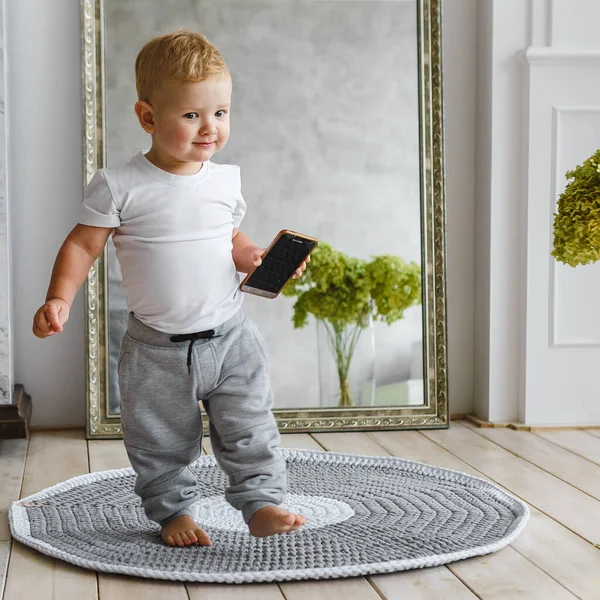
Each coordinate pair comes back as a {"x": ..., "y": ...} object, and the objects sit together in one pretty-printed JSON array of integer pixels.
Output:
[
  {"x": 325, "y": 129},
  {"x": 46, "y": 182}
]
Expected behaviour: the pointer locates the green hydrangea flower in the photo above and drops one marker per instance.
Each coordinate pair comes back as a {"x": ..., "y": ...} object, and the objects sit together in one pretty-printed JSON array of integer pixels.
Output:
[
  {"x": 577, "y": 223},
  {"x": 344, "y": 292}
]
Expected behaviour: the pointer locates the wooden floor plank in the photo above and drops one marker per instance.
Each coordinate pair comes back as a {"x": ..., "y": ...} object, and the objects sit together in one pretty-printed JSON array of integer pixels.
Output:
[
  {"x": 107, "y": 455},
  {"x": 353, "y": 588},
  {"x": 576, "y": 440},
  {"x": 571, "y": 468},
  {"x": 34, "y": 575},
  {"x": 559, "y": 552},
  {"x": 436, "y": 583},
  {"x": 299, "y": 440},
  {"x": 353, "y": 442},
  {"x": 571, "y": 507},
  {"x": 52, "y": 458},
  {"x": 250, "y": 591},
  {"x": 506, "y": 574},
  {"x": 412, "y": 445},
  {"x": 12, "y": 465},
  {"x": 121, "y": 587},
  {"x": 4, "y": 553},
  {"x": 288, "y": 440},
  {"x": 565, "y": 556}
]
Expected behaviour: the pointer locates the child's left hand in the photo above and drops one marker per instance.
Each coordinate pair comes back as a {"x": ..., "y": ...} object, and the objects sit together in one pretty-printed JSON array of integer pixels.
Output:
[
  {"x": 256, "y": 258},
  {"x": 301, "y": 269}
]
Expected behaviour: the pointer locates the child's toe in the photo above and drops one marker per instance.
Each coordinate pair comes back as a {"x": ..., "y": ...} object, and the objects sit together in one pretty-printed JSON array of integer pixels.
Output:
[
  {"x": 191, "y": 536},
  {"x": 288, "y": 519},
  {"x": 185, "y": 539},
  {"x": 202, "y": 537}
]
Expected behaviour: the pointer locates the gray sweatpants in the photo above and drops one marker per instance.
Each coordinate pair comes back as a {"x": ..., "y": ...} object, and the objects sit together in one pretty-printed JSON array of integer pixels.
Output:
[{"x": 162, "y": 426}]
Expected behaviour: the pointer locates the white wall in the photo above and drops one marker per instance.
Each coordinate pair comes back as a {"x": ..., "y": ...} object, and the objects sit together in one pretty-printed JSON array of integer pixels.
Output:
[
  {"x": 537, "y": 328},
  {"x": 482, "y": 209},
  {"x": 499, "y": 213},
  {"x": 460, "y": 53},
  {"x": 6, "y": 340},
  {"x": 562, "y": 349},
  {"x": 45, "y": 179},
  {"x": 46, "y": 183}
]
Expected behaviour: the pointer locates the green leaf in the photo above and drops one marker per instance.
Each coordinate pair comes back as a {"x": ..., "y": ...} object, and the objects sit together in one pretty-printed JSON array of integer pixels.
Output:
[{"x": 343, "y": 291}]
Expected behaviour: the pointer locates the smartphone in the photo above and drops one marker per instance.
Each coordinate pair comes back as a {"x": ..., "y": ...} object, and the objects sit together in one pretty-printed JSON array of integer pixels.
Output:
[{"x": 285, "y": 254}]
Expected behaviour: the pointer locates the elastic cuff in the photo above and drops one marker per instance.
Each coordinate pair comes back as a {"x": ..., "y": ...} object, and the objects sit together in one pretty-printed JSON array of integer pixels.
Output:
[
  {"x": 251, "y": 507},
  {"x": 179, "y": 513}
]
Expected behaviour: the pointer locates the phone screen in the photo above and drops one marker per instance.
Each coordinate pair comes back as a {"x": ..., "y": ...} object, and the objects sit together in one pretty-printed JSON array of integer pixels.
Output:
[{"x": 280, "y": 262}]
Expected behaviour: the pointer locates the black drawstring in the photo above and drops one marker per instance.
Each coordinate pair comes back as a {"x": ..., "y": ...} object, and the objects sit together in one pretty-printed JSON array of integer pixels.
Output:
[{"x": 193, "y": 338}]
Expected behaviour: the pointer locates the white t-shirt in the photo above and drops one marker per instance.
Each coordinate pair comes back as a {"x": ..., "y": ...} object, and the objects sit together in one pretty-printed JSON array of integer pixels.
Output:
[{"x": 173, "y": 240}]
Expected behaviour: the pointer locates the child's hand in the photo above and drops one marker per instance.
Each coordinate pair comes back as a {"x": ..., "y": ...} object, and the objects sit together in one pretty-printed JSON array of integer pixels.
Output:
[
  {"x": 50, "y": 318},
  {"x": 256, "y": 259},
  {"x": 256, "y": 256},
  {"x": 301, "y": 269}
]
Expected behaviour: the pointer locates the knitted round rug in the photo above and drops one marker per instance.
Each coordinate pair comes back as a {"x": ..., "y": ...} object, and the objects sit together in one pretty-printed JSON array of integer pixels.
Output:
[{"x": 364, "y": 515}]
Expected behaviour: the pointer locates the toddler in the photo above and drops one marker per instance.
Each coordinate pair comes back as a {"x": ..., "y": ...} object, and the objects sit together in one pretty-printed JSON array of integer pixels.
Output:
[{"x": 175, "y": 219}]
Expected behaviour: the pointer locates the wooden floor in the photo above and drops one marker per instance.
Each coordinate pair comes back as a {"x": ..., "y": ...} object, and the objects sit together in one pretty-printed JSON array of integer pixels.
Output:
[{"x": 557, "y": 473}]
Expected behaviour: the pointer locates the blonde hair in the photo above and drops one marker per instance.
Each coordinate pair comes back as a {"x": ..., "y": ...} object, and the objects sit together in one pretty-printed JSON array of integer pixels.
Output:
[{"x": 183, "y": 56}]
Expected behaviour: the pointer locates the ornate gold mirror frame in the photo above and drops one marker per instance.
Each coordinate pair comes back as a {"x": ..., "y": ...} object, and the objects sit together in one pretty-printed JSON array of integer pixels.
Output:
[{"x": 434, "y": 414}]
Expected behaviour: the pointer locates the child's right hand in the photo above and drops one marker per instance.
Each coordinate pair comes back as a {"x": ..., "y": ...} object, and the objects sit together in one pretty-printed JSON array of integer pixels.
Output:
[{"x": 50, "y": 318}]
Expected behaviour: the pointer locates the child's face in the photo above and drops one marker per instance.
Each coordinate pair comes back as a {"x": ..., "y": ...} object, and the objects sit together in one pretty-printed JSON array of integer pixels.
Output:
[{"x": 190, "y": 121}]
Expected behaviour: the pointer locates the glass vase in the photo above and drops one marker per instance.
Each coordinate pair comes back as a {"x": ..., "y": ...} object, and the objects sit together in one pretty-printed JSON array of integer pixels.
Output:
[{"x": 346, "y": 365}]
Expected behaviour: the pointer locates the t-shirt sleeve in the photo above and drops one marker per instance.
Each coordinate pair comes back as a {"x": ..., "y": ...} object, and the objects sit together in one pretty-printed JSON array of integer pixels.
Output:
[
  {"x": 99, "y": 208},
  {"x": 240, "y": 205}
]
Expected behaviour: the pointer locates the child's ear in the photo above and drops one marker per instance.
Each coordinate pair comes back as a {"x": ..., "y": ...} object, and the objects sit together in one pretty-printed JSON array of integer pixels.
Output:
[{"x": 145, "y": 115}]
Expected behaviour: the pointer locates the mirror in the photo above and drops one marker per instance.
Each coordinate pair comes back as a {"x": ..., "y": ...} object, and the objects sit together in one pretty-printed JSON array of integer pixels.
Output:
[{"x": 337, "y": 126}]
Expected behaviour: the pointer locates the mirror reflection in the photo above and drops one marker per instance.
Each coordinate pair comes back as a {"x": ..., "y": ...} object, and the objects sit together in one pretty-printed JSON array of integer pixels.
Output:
[{"x": 325, "y": 128}]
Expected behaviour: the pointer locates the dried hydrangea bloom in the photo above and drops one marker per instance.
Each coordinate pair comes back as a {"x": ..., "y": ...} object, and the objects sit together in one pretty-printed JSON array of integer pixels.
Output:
[{"x": 577, "y": 223}]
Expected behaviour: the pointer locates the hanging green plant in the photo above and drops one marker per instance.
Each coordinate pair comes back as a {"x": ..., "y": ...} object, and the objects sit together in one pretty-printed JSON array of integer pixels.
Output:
[
  {"x": 577, "y": 223},
  {"x": 344, "y": 293}
]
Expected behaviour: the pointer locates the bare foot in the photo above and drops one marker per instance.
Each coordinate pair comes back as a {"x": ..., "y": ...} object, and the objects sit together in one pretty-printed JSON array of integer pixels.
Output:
[
  {"x": 183, "y": 531},
  {"x": 272, "y": 519}
]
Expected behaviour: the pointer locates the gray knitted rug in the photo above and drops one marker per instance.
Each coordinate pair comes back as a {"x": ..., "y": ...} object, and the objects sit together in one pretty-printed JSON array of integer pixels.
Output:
[{"x": 364, "y": 515}]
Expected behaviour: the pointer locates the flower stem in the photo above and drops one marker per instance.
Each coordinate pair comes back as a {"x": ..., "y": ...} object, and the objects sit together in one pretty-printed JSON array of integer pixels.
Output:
[{"x": 343, "y": 341}]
